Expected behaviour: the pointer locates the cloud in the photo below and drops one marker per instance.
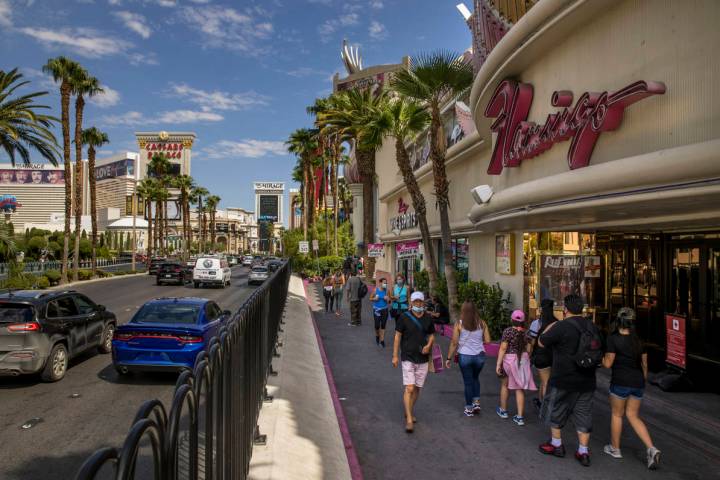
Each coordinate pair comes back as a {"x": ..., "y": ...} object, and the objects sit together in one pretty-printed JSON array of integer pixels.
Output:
[
  {"x": 331, "y": 26},
  {"x": 85, "y": 42},
  {"x": 301, "y": 72},
  {"x": 247, "y": 148},
  {"x": 41, "y": 78},
  {"x": 109, "y": 98},
  {"x": 225, "y": 27},
  {"x": 377, "y": 4},
  {"x": 135, "y": 22},
  {"x": 377, "y": 31},
  {"x": 5, "y": 14},
  {"x": 133, "y": 118},
  {"x": 217, "y": 100}
]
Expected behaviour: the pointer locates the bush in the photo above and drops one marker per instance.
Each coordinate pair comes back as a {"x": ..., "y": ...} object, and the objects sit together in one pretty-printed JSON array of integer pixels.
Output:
[
  {"x": 102, "y": 274},
  {"x": 24, "y": 281},
  {"x": 53, "y": 276},
  {"x": 43, "y": 282},
  {"x": 85, "y": 274}
]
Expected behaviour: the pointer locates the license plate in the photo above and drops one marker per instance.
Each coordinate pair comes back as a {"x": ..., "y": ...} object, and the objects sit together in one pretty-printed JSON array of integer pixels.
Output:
[
  {"x": 211, "y": 272},
  {"x": 168, "y": 276}
]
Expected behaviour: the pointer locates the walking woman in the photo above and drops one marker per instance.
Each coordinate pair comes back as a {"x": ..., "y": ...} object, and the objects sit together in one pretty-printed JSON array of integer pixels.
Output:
[
  {"x": 627, "y": 358},
  {"x": 469, "y": 337},
  {"x": 380, "y": 311},
  {"x": 541, "y": 357},
  {"x": 513, "y": 367},
  {"x": 327, "y": 284},
  {"x": 338, "y": 290},
  {"x": 399, "y": 297}
]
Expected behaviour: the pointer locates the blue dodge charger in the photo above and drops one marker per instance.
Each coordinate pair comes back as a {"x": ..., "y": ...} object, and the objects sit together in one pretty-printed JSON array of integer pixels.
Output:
[{"x": 166, "y": 334}]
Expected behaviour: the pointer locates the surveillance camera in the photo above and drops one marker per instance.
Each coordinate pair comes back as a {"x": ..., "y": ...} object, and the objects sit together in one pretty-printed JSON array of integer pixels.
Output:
[{"x": 482, "y": 193}]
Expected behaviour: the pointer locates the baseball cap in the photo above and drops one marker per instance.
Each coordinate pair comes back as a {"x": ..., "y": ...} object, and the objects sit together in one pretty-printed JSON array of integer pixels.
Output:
[
  {"x": 518, "y": 316},
  {"x": 417, "y": 296}
]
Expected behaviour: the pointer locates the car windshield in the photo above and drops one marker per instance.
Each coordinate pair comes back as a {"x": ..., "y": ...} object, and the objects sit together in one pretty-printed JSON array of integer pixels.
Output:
[
  {"x": 16, "y": 313},
  {"x": 259, "y": 269},
  {"x": 167, "y": 313}
]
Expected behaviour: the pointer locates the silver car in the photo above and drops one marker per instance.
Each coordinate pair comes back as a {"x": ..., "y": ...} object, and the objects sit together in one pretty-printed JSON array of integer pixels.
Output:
[{"x": 258, "y": 275}]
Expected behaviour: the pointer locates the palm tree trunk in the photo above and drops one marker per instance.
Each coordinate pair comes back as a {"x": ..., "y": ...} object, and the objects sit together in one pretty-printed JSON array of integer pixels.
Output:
[
  {"x": 93, "y": 205},
  {"x": 403, "y": 161},
  {"x": 334, "y": 167},
  {"x": 305, "y": 200},
  {"x": 79, "y": 106},
  {"x": 65, "y": 120},
  {"x": 165, "y": 224},
  {"x": 148, "y": 206},
  {"x": 442, "y": 195},
  {"x": 366, "y": 166}
]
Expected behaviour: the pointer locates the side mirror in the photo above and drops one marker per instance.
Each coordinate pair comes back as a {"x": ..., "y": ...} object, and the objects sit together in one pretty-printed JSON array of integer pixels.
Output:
[
  {"x": 101, "y": 308},
  {"x": 227, "y": 313}
]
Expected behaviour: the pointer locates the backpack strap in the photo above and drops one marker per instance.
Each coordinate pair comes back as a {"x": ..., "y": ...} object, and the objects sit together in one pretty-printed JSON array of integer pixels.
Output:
[{"x": 417, "y": 324}]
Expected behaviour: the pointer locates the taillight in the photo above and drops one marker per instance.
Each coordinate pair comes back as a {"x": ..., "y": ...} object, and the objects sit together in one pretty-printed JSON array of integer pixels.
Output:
[
  {"x": 24, "y": 327},
  {"x": 189, "y": 339},
  {"x": 122, "y": 337},
  {"x": 178, "y": 270}
]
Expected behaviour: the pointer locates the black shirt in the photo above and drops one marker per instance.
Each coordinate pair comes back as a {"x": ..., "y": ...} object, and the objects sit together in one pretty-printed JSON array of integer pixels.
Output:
[
  {"x": 444, "y": 317},
  {"x": 627, "y": 367},
  {"x": 563, "y": 339},
  {"x": 413, "y": 339}
]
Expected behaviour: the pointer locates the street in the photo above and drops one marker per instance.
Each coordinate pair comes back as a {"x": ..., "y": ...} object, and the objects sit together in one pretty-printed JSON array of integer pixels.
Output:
[{"x": 91, "y": 407}]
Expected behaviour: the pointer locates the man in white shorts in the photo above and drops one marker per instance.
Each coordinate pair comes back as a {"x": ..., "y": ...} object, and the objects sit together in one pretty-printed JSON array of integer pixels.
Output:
[{"x": 414, "y": 337}]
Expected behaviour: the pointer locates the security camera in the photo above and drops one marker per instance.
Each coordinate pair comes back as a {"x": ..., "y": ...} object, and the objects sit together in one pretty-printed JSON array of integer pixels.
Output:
[{"x": 482, "y": 193}]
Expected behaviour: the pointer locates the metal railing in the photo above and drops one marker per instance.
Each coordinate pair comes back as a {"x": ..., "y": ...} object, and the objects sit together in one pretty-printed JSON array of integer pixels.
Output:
[
  {"x": 39, "y": 267},
  {"x": 230, "y": 376}
]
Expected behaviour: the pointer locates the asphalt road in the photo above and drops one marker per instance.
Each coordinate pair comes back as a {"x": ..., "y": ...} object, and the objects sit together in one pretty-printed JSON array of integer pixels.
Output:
[{"x": 91, "y": 407}]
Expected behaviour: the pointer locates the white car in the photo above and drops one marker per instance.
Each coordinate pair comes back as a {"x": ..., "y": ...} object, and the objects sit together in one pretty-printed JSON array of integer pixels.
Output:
[
  {"x": 211, "y": 271},
  {"x": 258, "y": 274},
  {"x": 247, "y": 260}
]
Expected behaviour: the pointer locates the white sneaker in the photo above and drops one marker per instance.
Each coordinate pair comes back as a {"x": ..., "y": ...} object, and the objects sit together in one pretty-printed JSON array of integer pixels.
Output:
[
  {"x": 653, "y": 458},
  {"x": 612, "y": 451}
]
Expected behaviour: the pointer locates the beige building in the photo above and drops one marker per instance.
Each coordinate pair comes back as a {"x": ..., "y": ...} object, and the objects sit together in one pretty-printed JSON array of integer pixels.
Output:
[
  {"x": 235, "y": 228},
  {"x": 116, "y": 178},
  {"x": 612, "y": 194}
]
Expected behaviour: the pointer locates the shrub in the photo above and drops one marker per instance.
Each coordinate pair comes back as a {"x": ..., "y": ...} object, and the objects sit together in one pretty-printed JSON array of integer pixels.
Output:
[
  {"x": 102, "y": 274},
  {"x": 53, "y": 276},
  {"x": 85, "y": 274},
  {"x": 43, "y": 282}
]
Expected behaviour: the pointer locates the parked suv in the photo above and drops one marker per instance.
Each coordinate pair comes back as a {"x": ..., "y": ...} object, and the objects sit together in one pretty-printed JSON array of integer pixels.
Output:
[
  {"x": 211, "y": 270},
  {"x": 41, "y": 330}
]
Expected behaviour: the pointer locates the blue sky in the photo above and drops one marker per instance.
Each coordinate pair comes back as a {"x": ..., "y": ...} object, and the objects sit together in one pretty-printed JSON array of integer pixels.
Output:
[{"x": 238, "y": 73}]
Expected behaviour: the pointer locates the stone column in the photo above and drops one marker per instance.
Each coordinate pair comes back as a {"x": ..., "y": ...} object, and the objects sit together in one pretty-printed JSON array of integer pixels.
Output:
[{"x": 356, "y": 189}]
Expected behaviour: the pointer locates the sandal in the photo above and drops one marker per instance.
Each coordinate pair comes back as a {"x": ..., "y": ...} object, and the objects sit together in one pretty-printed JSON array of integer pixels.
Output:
[{"x": 409, "y": 427}]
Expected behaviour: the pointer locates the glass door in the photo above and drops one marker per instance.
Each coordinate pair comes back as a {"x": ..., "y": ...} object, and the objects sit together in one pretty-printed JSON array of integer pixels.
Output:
[
  {"x": 713, "y": 321},
  {"x": 685, "y": 293},
  {"x": 645, "y": 292}
]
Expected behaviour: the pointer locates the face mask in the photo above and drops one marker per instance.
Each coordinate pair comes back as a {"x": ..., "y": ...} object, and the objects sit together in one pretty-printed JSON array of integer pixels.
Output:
[
  {"x": 418, "y": 309},
  {"x": 384, "y": 285},
  {"x": 399, "y": 282}
]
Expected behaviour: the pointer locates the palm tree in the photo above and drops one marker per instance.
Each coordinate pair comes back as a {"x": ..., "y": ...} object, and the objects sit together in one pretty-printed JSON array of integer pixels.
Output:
[
  {"x": 403, "y": 119},
  {"x": 302, "y": 143},
  {"x": 145, "y": 189},
  {"x": 159, "y": 166},
  {"x": 197, "y": 195},
  {"x": 433, "y": 79},
  {"x": 21, "y": 126},
  {"x": 211, "y": 204},
  {"x": 64, "y": 70},
  {"x": 82, "y": 84},
  {"x": 93, "y": 138},
  {"x": 185, "y": 184}
]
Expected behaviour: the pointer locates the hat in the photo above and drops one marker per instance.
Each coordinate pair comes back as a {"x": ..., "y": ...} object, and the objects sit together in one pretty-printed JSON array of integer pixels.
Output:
[
  {"x": 417, "y": 296},
  {"x": 518, "y": 316}
]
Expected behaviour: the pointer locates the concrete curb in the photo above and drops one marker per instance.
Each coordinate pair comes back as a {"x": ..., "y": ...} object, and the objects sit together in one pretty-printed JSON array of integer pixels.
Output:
[{"x": 95, "y": 280}]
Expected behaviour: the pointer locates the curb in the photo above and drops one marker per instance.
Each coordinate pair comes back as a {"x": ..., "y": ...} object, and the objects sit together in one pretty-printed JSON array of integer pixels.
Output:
[{"x": 95, "y": 280}]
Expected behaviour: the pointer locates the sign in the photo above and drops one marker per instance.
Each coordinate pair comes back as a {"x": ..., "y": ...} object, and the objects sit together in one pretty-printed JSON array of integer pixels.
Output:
[
  {"x": 171, "y": 150},
  {"x": 269, "y": 186},
  {"x": 316, "y": 245},
  {"x": 8, "y": 203},
  {"x": 407, "y": 249},
  {"x": 676, "y": 340},
  {"x": 373, "y": 82},
  {"x": 120, "y": 168},
  {"x": 402, "y": 206},
  {"x": 268, "y": 208},
  {"x": 593, "y": 113},
  {"x": 403, "y": 222},
  {"x": 32, "y": 176},
  {"x": 505, "y": 254},
  {"x": 561, "y": 275},
  {"x": 304, "y": 246},
  {"x": 376, "y": 250},
  {"x": 592, "y": 266}
]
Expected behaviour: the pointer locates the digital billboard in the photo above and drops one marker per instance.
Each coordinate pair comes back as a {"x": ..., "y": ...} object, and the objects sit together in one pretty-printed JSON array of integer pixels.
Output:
[
  {"x": 269, "y": 211},
  {"x": 29, "y": 176},
  {"x": 121, "y": 168}
]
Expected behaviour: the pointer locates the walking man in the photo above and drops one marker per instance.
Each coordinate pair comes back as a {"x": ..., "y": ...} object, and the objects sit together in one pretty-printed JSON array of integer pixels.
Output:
[
  {"x": 576, "y": 348},
  {"x": 354, "y": 296},
  {"x": 414, "y": 337}
]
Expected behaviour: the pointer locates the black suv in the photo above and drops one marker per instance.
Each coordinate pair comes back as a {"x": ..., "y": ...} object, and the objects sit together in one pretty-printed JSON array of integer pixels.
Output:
[
  {"x": 172, "y": 272},
  {"x": 154, "y": 264},
  {"x": 41, "y": 330}
]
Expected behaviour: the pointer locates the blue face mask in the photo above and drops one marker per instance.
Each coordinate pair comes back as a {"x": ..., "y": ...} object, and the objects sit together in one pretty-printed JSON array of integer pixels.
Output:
[{"x": 418, "y": 309}]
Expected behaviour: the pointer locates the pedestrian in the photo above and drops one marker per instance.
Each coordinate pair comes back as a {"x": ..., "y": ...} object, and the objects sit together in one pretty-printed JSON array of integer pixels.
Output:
[
  {"x": 399, "y": 297},
  {"x": 469, "y": 337},
  {"x": 338, "y": 287},
  {"x": 347, "y": 266},
  {"x": 541, "y": 358},
  {"x": 359, "y": 266},
  {"x": 380, "y": 311},
  {"x": 513, "y": 367},
  {"x": 327, "y": 285},
  {"x": 627, "y": 358},
  {"x": 572, "y": 378},
  {"x": 354, "y": 296},
  {"x": 414, "y": 338},
  {"x": 438, "y": 311}
]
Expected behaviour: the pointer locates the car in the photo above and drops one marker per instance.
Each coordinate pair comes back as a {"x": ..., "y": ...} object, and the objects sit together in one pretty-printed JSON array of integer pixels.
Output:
[
  {"x": 232, "y": 260},
  {"x": 247, "y": 260},
  {"x": 154, "y": 263},
  {"x": 273, "y": 265},
  {"x": 174, "y": 272},
  {"x": 258, "y": 274},
  {"x": 166, "y": 334},
  {"x": 211, "y": 270},
  {"x": 40, "y": 331}
]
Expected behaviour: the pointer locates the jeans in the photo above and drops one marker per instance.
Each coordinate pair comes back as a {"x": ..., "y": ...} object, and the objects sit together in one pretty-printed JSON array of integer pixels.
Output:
[
  {"x": 355, "y": 312},
  {"x": 338, "y": 300},
  {"x": 470, "y": 367},
  {"x": 329, "y": 297}
]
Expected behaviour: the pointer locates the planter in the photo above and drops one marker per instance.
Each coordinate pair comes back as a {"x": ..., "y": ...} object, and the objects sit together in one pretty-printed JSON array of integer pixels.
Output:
[{"x": 492, "y": 349}]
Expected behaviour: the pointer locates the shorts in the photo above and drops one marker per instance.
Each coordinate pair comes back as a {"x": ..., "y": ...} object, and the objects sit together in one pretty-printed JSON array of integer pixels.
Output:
[
  {"x": 381, "y": 317},
  {"x": 414, "y": 373},
  {"x": 625, "y": 392},
  {"x": 559, "y": 405}
]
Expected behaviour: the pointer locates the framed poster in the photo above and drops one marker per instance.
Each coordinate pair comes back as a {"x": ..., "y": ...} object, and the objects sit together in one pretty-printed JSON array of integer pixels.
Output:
[
  {"x": 407, "y": 249},
  {"x": 676, "y": 340},
  {"x": 505, "y": 254},
  {"x": 376, "y": 250}
]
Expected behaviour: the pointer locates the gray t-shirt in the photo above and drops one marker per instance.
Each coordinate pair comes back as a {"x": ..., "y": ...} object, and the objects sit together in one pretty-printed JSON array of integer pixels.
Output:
[{"x": 353, "y": 288}]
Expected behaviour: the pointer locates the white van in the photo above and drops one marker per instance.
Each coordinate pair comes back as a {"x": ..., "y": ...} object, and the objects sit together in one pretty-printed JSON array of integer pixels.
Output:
[{"x": 211, "y": 271}]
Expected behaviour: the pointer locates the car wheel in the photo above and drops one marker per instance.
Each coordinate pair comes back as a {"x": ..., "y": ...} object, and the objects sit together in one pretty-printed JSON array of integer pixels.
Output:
[
  {"x": 157, "y": 282},
  {"x": 122, "y": 371},
  {"x": 106, "y": 342},
  {"x": 56, "y": 365},
  {"x": 196, "y": 284}
]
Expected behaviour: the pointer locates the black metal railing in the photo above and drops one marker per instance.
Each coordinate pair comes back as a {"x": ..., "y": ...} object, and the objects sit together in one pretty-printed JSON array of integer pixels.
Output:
[{"x": 230, "y": 379}]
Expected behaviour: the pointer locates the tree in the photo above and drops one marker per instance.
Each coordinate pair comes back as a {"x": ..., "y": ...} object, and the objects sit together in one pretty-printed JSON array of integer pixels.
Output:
[
  {"x": 159, "y": 167},
  {"x": 146, "y": 190},
  {"x": 212, "y": 203},
  {"x": 21, "y": 126},
  {"x": 302, "y": 143},
  {"x": 197, "y": 195},
  {"x": 185, "y": 184},
  {"x": 64, "y": 70},
  {"x": 94, "y": 139},
  {"x": 433, "y": 79}
]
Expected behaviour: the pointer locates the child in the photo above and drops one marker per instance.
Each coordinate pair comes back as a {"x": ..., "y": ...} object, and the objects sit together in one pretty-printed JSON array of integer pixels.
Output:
[{"x": 513, "y": 367}]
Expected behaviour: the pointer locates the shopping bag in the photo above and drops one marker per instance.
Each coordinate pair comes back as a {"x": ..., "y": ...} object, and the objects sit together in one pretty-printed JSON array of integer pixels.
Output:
[{"x": 437, "y": 359}]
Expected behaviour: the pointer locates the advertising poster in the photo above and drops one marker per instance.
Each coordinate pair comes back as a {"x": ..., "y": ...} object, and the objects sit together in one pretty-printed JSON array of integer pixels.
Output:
[
  {"x": 676, "y": 340},
  {"x": 592, "y": 266},
  {"x": 561, "y": 275},
  {"x": 269, "y": 211},
  {"x": 376, "y": 250},
  {"x": 19, "y": 176},
  {"x": 504, "y": 254},
  {"x": 121, "y": 168},
  {"x": 407, "y": 249}
]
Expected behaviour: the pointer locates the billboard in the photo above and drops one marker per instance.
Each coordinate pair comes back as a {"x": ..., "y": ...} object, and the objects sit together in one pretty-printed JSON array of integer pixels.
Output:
[
  {"x": 269, "y": 211},
  {"x": 32, "y": 176},
  {"x": 121, "y": 168}
]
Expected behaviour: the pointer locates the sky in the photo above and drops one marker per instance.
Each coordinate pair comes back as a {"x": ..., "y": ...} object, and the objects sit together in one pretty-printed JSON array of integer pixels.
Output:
[{"x": 237, "y": 73}]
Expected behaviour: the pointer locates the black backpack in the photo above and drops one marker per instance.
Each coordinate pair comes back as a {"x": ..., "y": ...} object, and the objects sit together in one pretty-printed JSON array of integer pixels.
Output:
[
  {"x": 589, "y": 353},
  {"x": 362, "y": 290}
]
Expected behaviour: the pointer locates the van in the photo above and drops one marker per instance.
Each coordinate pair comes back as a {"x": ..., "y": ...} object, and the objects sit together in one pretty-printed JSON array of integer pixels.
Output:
[{"x": 211, "y": 271}]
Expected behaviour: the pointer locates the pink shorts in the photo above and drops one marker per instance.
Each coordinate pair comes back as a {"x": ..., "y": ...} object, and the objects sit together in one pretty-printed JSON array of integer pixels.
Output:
[{"x": 414, "y": 373}]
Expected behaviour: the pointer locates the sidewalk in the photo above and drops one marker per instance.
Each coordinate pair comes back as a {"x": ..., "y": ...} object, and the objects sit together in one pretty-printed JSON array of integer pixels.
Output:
[
  {"x": 448, "y": 445},
  {"x": 303, "y": 436}
]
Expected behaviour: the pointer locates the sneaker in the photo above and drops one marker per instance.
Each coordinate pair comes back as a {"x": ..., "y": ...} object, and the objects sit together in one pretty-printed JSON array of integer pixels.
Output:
[
  {"x": 383, "y": 343},
  {"x": 549, "y": 449},
  {"x": 519, "y": 420},
  {"x": 612, "y": 451},
  {"x": 476, "y": 408},
  {"x": 653, "y": 458},
  {"x": 377, "y": 341},
  {"x": 583, "y": 458},
  {"x": 501, "y": 413},
  {"x": 469, "y": 412}
]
